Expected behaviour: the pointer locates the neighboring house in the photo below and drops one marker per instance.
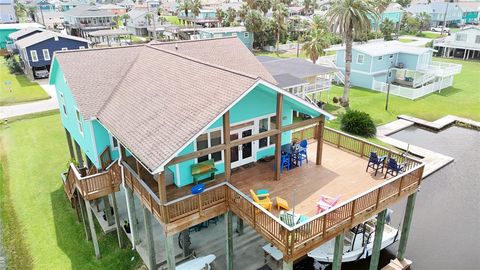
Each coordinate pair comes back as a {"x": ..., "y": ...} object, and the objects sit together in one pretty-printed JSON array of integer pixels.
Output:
[
  {"x": 7, "y": 11},
  {"x": 7, "y": 29},
  {"x": 170, "y": 110},
  {"x": 409, "y": 69},
  {"x": 20, "y": 34},
  {"x": 239, "y": 32},
  {"x": 44, "y": 6},
  {"x": 36, "y": 51},
  {"x": 127, "y": 4},
  {"x": 394, "y": 13},
  {"x": 299, "y": 76},
  {"x": 66, "y": 6},
  {"x": 83, "y": 19},
  {"x": 470, "y": 11},
  {"x": 51, "y": 19},
  {"x": 207, "y": 17},
  {"x": 464, "y": 44},
  {"x": 439, "y": 12},
  {"x": 115, "y": 9},
  {"x": 137, "y": 22}
]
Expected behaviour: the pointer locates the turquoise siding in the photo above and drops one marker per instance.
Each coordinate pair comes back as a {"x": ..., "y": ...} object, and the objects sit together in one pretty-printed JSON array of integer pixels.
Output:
[
  {"x": 69, "y": 120},
  {"x": 365, "y": 67},
  {"x": 384, "y": 62},
  {"x": 470, "y": 16},
  {"x": 361, "y": 80},
  {"x": 4, "y": 36},
  {"x": 396, "y": 17},
  {"x": 248, "y": 41},
  {"x": 409, "y": 60}
]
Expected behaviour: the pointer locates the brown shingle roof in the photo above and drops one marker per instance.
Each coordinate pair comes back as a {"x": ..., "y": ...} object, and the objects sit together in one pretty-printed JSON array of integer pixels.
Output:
[
  {"x": 165, "y": 99},
  {"x": 229, "y": 52}
]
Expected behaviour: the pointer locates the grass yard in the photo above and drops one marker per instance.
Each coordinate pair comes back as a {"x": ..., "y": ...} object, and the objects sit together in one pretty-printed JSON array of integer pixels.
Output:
[
  {"x": 406, "y": 40},
  {"x": 19, "y": 88},
  {"x": 172, "y": 19},
  {"x": 431, "y": 35},
  {"x": 40, "y": 229},
  {"x": 462, "y": 99}
]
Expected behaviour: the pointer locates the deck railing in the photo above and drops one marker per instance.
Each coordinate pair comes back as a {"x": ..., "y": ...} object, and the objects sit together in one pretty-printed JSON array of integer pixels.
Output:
[{"x": 92, "y": 186}]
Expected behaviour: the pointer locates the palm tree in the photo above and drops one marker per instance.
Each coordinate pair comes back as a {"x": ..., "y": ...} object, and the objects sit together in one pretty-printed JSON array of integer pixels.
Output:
[
  {"x": 264, "y": 5},
  {"x": 242, "y": 13},
  {"x": 316, "y": 41},
  {"x": 349, "y": 18},
  {"x": 116, "y": 19},
  {"x": 195, "y": 6},
  {"x": 279, "y": 16},
  {"x": 125, "y": 18},
  {"x": 254, "y": 22},
  {"x": 220, "y": 15},
  {"x": 185, "y": 6},
  {"x": 387, "y": 27},
  {"x": 307, "y": 5},
  {"x": 380, "y": 7},
  {"x": 149, "y": 17},
  {"x": 231, "y": 15},
  {"x": 423, "y": 20}
]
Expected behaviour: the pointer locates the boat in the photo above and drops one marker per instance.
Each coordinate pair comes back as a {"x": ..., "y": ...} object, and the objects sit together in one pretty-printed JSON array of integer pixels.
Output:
[
  {"x": 358, "y": 243},
  {"x": 199, "y": 263}
]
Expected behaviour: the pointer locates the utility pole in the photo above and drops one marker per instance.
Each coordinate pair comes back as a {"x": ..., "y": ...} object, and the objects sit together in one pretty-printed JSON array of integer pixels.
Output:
[
  {"x": 388, "y": 88},
  {"x": 153, "y": 21},
  {"x": 445, "y": 18}
]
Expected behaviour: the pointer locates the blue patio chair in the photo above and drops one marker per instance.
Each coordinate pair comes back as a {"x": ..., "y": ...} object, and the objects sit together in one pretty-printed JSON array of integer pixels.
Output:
[
  {"x": 375, "y": 162},
  {"x": 302, "y": 152},
  {"x": 285, "y": 162},
  {"x": 393, "y": 168}
]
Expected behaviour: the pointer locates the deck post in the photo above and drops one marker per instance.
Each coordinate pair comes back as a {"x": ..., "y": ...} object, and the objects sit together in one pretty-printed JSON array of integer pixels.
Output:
[
  {"x": 151, "y": 261},
  {"x": 278, "y": 137},
  {"x": 229, "y": 230},
  {"x": 226, "y": 141},
  {"x": 92, "y": 229},
  {"x": 320, "y": 128},
  {"x": 81, "y": 202},
  {"x": 107, "y": 210},
  {"x": 79, "y": 155},
  {"x": 338, "y": 252},
  {"x": 70, "y": 145},
  {"x": 170, "y": 252},
  {"x": 162, "y": 187},
  {"x": 132, "y": 217},
  {"x": 377, "y": 242},
  {"x": 239, "y": 225},
  {"x": 407, "y": 222},
  {"x": 287, "y": 265},
  {"x": 117, "y": 220}
]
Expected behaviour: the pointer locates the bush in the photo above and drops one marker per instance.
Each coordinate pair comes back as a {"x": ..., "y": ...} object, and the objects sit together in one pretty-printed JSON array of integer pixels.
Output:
[
  {"x": 13, "y": 65},
  {"x": 358, "y": 123}
]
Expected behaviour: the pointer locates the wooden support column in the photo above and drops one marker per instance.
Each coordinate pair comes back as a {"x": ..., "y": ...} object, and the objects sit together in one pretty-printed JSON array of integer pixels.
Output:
[
  {"x": 278, "y": 138},
  {"x": 287, "y": 265},
  {"x": 377, "y": 242},
  {"x": 79, "y": 155},
  {"x": 170, "y": 252},
  {"x": 132, "y": 216},
  {"x": 338, "y": 252},
  {"x": 92, "y": 229},
  {"x": 117, "y": 220},
  {"x": 83, "y": 211},
  {"x": 151, "y": 261},
  {"x": 320, "y": 127},
  {"x": 226, "y": 140},
  {"x": 407, "y": 222},
  {"x": 107, "y": 210},
  {"x": 229, "y": 231},
  {"x": 70, "y": 145},
  {"x": 162, "y": 187}
]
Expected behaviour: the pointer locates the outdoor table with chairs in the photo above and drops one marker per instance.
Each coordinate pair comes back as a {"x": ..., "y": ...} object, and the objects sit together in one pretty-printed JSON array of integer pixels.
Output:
[
  {"x": 378, "y": 163},
  {"x": 293, "y": 155}
]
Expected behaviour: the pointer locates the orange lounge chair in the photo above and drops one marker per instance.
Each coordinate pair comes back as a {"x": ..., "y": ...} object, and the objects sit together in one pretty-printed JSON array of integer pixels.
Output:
[{"x": 264, "y": 202}]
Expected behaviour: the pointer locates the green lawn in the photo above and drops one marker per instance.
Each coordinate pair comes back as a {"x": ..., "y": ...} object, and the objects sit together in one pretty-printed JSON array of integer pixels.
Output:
[
  {"x": 172, "y": 19},
  {"x": 40, "y": 228},
  {"x": 431, "y": 35},
  {"x": 406, "y": 40},
  {"x": 462, "y": 99},
  {"x": 18, "y": 88}
]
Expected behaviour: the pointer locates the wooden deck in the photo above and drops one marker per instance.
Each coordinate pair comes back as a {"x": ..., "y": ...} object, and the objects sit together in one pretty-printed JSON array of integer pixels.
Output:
[{"x": 341, "y": 173}]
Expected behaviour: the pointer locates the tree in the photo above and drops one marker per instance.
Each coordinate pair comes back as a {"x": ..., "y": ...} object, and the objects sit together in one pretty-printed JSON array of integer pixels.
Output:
[
  {"x": 404, "y": 3},
  {"x": 424, "y": 20},
  {"x": 350, "y": 18},
  {"x": 254, "y": 22},
  {"x": 263, "y": 5},
  {"x": 387, "y": 27},
  {"x": 220, "y": 14},
  {"x": 308, "y": 4},
  {"x": 116, "y": 19},
  {"x": 279, "y": 16},
  {"x": 242, "y": 13},
  {"x": 231, "y": 15},
  {"x": 185, "y": 6},
  {"x": 315, "y": 42},
  {"x": 195, "y": 6},
  {"x": 125, "y": 18},
  {"x": 380, "y": 7}
]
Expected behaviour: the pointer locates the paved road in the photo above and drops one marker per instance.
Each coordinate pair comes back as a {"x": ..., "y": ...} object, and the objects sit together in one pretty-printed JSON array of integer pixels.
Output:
[{"x": 32, "y": 107}]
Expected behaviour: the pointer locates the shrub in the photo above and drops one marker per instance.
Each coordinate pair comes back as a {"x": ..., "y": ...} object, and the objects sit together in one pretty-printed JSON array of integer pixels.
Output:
[
  {"x": 358, "y": 123},
  {"x": 13, "y": 65},
  {"x": 335, "y": 99}
]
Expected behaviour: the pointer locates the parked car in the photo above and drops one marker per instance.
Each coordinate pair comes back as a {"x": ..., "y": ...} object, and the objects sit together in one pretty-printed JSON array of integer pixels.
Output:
[
  {"x": 440, "y": 29},
  {"x": 41, "y": 73}
]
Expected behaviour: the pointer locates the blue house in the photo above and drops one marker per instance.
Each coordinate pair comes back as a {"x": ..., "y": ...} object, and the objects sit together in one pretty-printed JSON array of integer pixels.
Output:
[
  {"x": 44, "y": 5},
  {"x": 20, "y": 34},
  {"x": 409, "y": 69},
  {"x": 36, "y": 51},
  {"x": 393, "y": 12},
  {"x": 240, "y": 32},
  {"x": 207, "y": 17},
  {"x": 439, "y": 12}
]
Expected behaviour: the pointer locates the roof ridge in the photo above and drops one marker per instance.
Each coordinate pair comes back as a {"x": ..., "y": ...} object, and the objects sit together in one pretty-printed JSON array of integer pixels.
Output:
[
  {"x": 99, "y": 49},
  {"x": 188, "y": 41},
  {"x": 204, "y": 62}
]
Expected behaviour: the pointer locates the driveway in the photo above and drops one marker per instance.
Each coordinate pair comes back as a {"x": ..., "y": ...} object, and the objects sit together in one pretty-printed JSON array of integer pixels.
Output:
[{"x": 32, "y": 107}]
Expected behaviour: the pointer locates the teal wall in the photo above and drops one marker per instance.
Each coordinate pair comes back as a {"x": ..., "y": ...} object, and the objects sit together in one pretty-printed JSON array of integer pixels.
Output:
[
  {"x": 384, "y": 62},
  {"x": 470, "y": 16},
  {"x": 4, "y": 36},
  {"x": 248, "y": 41},
  {"x": 365, "y": 67},
  {"x": 396, "y": 17},
  {"x": 409, "y": 60}
]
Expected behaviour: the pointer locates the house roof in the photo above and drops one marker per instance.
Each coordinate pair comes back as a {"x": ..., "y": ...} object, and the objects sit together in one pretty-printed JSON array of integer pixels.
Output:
[
  {"x": 20, "y": 25},
  {"x": 384, "y": 48},
  {"x": 469, "y": 6},
  {"x": 109, "y": 32},
  {"x": 287, "y": 80},
  {"x": 296, "y": 67},
  {"x": 137, "y": 12},
  {"x": 39, "y": 37},
  {"x": 23, "y": 32},
  {"x": 155, "y": 100},
  {"x": 435, "y": 7},
  {"x": 89, "y": 11},
  {"x": 224, "y": 29},
  {"x": 110, "y": 6}
]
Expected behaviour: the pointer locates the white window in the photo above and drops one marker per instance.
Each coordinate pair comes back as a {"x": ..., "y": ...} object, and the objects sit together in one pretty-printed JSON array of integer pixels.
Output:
[
  {"x": 81, "y": 47},
  {"x": 79, "y": 122},
  {"x": 64, "y": 107},
  {"x": 33, "y": 54},
  {"x": 234, "y": 34},
  {"x": 46, "y": 54},
  {"x": 360, "y": 58},
  {"x": 264, "y": 125},
  {"x": 246, "y": 35},
  {"x": 208, "y": 140},
  {"x": 461, "y": 37},
  {"x": 380, "y": 58},
  {"x": 55, "y": 38},
  {"x": 64, "y": 49},
  {"x": 113, "y": 142},
  {"x": 477, "y": 39}
]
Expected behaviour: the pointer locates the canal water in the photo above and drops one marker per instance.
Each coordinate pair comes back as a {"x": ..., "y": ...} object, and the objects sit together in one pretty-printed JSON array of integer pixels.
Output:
[{"x": 445, "y": 232}]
